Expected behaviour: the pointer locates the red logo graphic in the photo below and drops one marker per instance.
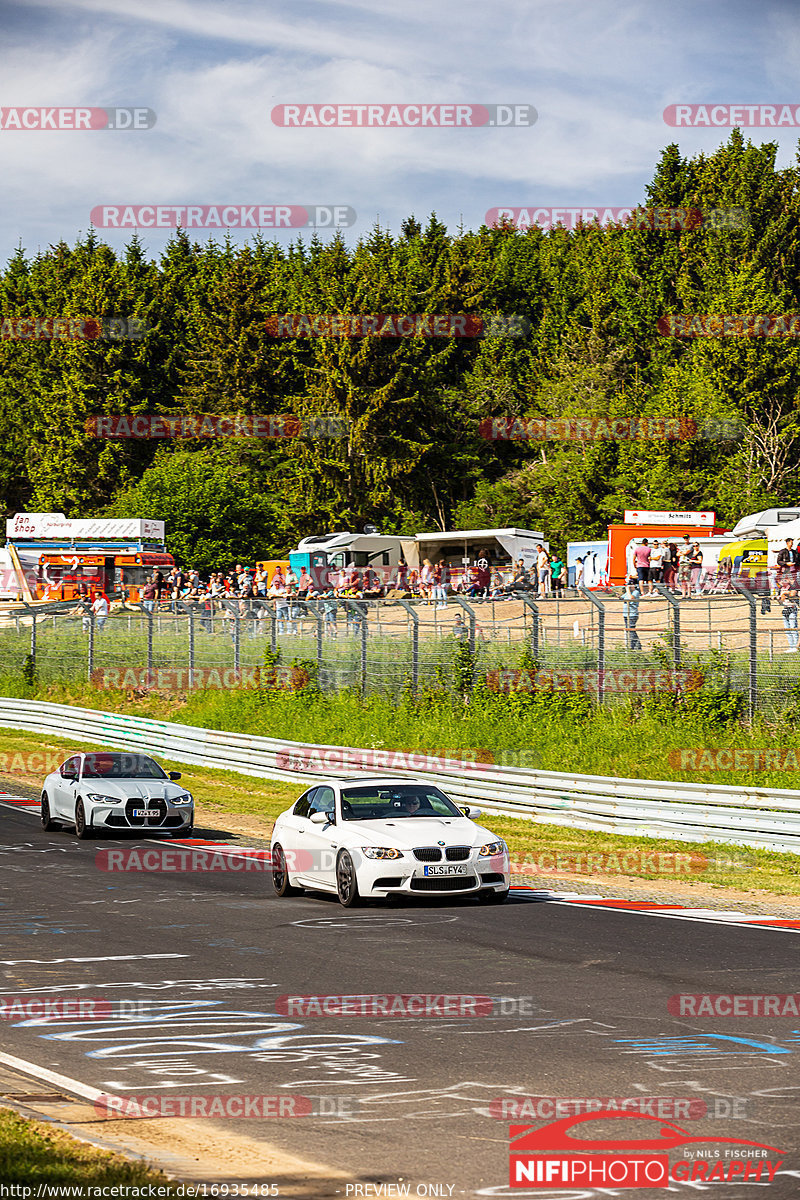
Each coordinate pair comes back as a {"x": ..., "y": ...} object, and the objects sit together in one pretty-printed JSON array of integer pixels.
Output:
[{"x": 552, "y": 1157}]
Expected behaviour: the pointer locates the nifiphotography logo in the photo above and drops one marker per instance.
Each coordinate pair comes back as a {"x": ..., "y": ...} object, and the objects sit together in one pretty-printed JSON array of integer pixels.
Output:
[{"x": 551, "y": 1157}]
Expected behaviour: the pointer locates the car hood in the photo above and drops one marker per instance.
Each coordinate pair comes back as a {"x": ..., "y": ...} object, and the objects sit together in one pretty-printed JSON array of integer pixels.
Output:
[
  {"x": 403, "y": 833},
  {"x": 135, "y": 789}
]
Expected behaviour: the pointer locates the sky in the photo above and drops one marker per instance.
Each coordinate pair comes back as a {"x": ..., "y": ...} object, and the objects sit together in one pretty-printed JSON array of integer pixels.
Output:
[{"x": 599, "y": 76}]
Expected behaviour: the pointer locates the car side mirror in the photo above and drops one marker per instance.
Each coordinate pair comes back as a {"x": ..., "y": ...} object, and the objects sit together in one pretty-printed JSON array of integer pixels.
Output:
[
  {"x": 472, "y": 813},
  {"x": 320, "y": 818},
  {"x": 174, "y": 774}
]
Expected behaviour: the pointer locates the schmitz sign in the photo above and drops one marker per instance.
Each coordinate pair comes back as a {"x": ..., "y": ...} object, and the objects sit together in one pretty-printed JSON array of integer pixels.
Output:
[
  {"x": 56, "y": 526},
  {"x": 641, "y": 516}
]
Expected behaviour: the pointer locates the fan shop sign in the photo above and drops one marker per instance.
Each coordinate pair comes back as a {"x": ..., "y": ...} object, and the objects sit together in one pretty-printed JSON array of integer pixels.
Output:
[{"x": 616, "y": 680}]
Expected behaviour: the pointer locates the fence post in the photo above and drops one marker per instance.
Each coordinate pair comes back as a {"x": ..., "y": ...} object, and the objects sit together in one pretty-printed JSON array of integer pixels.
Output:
[
  {"x": 91, "y": 645},
  {"x": 191, "y": 648},
  {"x": 237, "y": 633},
  {"x": 313, "y": 606},
  {"x": 526, "y": 599},
  {"x": 601, "y": 641},
  {"x": 273, "y": 629},
  {"x": 149, "y": 645},
  {"x": 33, "y": 642},
  {"x": 470, "y": 611},
  {"x": 676, "y": 621},
  {"x": 414, "y": 644},
  {"x": 753, "y": 688}
]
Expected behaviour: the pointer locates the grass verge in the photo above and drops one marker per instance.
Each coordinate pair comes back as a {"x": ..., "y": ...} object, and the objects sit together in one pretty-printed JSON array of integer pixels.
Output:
[{"x": 32, "y": 1153}]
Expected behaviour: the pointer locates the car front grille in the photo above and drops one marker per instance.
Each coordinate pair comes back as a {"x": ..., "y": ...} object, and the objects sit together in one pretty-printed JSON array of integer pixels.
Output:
[
  {"x": 457, "y": 853},
  {"x": 428, "y": 854},
  {"x": 448, "y": 883},
  {"x": 142, "y": 822}
]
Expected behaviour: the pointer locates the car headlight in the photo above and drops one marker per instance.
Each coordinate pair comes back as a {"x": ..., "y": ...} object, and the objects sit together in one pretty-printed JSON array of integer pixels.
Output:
[
  {"x": 380, "y": 852},
  {"x": 96, "y": 799},
  {"x": 184, "y": 798},
  {"x": 492, "y": 848}
]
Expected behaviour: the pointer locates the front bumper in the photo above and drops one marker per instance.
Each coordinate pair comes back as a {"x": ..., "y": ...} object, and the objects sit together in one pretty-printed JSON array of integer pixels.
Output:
[
  {"x": 119, "y": 817},
  {"x": 391, "y": 877}
]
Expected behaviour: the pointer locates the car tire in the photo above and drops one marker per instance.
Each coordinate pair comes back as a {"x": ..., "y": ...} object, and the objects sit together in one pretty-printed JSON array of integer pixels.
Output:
[
  {"x": 493, "y": 897},
  {"x": 48, "y": 823},
  {"x": 280, "y": 873},
  {"x": 346, "y": 881},
  {"x": 83, "y": 830}
]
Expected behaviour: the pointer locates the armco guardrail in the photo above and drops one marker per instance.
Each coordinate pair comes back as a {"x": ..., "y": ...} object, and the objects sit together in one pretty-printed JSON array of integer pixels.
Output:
[{"x": 758, "y": 817}]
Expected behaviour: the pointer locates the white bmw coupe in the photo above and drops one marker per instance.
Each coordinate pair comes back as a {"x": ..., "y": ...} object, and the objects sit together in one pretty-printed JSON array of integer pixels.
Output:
[
  {"x": 115, "y": 792},
  {"x": 376, "y": 837}
]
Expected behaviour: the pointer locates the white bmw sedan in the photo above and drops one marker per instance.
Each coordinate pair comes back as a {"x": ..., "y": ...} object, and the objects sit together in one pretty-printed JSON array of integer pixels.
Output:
[
  {"x": 114, "y": 792},
  {"x": 364, "y": 838}
]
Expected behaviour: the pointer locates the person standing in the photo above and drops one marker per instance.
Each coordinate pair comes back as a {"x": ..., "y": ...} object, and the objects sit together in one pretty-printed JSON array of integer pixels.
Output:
[
  {"x": 656, "y": 565},
  {"x": 543, "y": 570},
  {"x": 788, "y": 598},
  {"x": 556, "y": 567},
  {"x": 630, "y": 612},
  {"x": 149, "y": 594},
  {"x": 641, "y": 561},
  {"x": 579, "y": 573},
  {"x": 696, "y": 566},
  {"x": 277, "y": 592},
  {"x": 685, "y": 567}
]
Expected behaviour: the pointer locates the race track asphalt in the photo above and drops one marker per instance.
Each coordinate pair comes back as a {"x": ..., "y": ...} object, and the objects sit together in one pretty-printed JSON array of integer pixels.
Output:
[{"x": 586, "y": 1014}]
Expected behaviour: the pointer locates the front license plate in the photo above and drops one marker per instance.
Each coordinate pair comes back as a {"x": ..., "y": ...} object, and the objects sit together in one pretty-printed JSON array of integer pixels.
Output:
[
  {"x": 146, "y": 812},
  {"x": 447, "y": 869}
]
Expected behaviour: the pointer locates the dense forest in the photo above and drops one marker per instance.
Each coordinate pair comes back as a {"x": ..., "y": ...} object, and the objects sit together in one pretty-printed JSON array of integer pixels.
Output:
[{"x": 413, "y": 456}]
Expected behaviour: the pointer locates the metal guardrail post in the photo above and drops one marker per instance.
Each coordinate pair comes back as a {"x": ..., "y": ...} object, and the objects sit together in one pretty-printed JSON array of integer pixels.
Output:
[
  {"x": 33, "y": 643},
  {"x": 470, "y": 611},
  {"x": 676, "y": 621},
  {"x": 191, "y": 647},
  {"x": 414, "y": 644},
  {"x": 526, "y": 600},
  {"x": 273, "y": 628},
  {"x": 601, "y": 641},
  {"x": 237, "y": 633},
  {"x": 753, "y": 687}
]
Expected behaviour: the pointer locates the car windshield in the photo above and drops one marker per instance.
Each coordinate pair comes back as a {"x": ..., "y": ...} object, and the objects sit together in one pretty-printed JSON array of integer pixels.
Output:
[
  {"x": 121, "y": 766},
  {"x": 396, "y": 800}
]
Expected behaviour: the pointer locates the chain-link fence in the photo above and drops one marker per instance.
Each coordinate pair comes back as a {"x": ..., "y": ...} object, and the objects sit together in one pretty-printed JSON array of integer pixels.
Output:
[{"x": 594, "y": 642}]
